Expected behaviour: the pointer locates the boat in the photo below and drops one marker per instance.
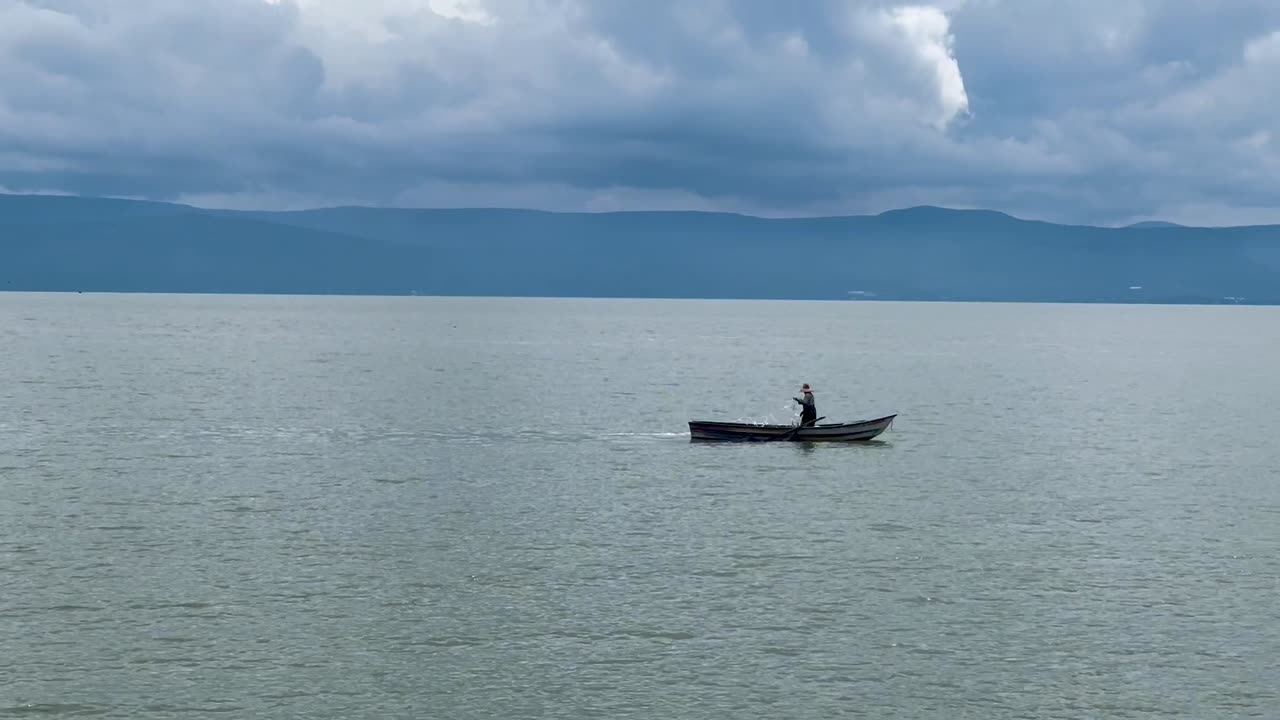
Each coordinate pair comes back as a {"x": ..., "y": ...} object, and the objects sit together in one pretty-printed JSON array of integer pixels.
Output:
[{"x": 828, "y": 432}]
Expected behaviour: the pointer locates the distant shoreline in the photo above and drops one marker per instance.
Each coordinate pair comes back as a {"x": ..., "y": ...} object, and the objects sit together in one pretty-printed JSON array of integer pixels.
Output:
[
  {"x": 624, "y": 298},
  {"x": 922, "y": 254}
]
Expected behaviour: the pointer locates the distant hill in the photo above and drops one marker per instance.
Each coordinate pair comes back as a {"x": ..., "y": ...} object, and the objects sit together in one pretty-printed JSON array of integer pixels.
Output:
[{"x": 923, "y": 253}]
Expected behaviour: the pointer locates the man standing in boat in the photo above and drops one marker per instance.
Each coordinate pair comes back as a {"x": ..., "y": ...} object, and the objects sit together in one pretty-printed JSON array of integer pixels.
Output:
[{"x": 808, "y": 408}]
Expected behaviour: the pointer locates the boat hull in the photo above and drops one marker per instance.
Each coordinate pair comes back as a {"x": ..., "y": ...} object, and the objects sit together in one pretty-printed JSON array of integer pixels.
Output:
[{"x": 830, "y": 432}]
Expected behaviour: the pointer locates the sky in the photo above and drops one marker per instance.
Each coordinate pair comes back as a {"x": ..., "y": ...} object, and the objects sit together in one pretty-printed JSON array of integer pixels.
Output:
[{"x": 1088, "y": 111}]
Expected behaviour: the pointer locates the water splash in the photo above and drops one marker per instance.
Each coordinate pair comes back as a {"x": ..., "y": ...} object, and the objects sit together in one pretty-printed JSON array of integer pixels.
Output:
[
  {"x": 792, "y": 410},
  {"x": 790, "y": 415},
  {"x": 769, "y": 419}
]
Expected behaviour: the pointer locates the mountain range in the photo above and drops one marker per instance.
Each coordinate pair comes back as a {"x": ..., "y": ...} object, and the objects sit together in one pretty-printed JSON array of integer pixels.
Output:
[{"x": 61, "y": 243}]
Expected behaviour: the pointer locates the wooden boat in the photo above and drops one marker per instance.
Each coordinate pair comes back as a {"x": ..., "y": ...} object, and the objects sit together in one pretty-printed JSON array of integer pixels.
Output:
[{"x": 829, "y": 432}]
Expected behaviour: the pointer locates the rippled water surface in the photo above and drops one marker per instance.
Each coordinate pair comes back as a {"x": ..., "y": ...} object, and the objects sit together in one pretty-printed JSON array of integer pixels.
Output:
[{"x": 464, "y": 508}]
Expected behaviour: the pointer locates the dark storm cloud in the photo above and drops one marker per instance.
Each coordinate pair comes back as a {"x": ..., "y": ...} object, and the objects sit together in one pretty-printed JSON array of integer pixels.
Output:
[{"x": 1092, "y": 111}]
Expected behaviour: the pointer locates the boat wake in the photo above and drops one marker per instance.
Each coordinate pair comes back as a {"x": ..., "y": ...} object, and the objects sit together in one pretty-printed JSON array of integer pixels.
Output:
[{"x": 646, "y": 434}]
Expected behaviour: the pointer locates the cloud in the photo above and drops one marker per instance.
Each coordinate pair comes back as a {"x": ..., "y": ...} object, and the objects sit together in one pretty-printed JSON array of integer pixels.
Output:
[
  {"x": 924, "y": 33},
  {"x": 1096, "y": 111}
]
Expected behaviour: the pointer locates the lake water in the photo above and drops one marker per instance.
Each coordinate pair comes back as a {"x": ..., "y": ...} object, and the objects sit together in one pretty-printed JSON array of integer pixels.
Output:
[{"x": 278, "y": 507}]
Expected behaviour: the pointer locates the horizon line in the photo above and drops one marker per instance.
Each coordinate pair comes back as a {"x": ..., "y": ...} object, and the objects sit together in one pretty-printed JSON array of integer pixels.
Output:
[
  {"x": 1137, "y": 225},
  {"x": 1199, "y": 303}
]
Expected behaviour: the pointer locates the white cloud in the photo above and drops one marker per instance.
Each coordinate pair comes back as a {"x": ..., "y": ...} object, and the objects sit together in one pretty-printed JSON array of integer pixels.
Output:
[
  {"x": 926, "y": 32},
  {"x": 465, "y": 10}
]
